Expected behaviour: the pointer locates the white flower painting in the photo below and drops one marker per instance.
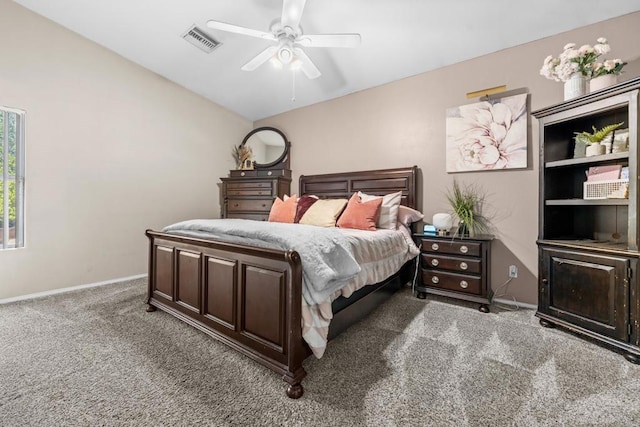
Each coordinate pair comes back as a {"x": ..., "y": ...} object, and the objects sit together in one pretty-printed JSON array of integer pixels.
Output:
[{"x": 488, "y": 135}]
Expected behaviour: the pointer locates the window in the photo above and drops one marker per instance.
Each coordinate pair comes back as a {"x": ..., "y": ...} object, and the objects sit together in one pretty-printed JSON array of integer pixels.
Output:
[{"x": 11, "y": 178}]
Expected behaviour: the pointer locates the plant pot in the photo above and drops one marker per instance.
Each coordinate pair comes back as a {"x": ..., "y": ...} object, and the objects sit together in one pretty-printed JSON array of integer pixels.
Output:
[
  {"x": 603, "y": 81},
  {"x": 580, "y": 149},
  {"x": 576, "y": 86},
  {"x": 595, "y": 150},
  {"x": 463, "y": 229}
]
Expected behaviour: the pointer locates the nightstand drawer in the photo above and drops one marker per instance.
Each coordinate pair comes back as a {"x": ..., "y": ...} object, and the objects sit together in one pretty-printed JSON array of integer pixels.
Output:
[
  {"x": 243, "y": 205},
  {"x": 451, "y": 247},
  {"x": 460, "y": 264},
  {"x": 452, "y": 281}
]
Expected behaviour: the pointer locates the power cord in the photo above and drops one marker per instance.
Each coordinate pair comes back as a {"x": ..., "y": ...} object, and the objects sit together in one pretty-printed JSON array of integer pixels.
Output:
[
  {"x": 415, "y": 272},
  {"x": 493, "y": 295}
]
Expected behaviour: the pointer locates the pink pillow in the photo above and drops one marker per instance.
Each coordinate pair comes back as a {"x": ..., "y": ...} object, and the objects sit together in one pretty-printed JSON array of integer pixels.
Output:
[
  {"x": 283, "y": 211},
  {"x": 407, "y": 216},
  {"x": 304, "y": 203},
  {"x": 360, "y": 215}
]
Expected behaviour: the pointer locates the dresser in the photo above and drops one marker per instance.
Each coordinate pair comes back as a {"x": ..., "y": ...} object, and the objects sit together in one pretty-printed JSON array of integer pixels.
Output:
[
  {"x": 456, "y": 267},
  {"x": 251, "y": 196}
]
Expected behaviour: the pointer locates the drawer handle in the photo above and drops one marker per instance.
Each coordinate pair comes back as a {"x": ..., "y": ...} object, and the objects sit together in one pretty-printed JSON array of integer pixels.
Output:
[
  {"x": 464, "y": 284},
  {"x": 241, "y": 173},
  {"x": 435, "y": 262},
  {"x": 463, "y": 265},
  {"x": 435, "y": 246},
  {"x": 435, "y": 279},
  {"x": 235, "y": 205},
  {"x": 264, "y": 206},
  {"x": 269, "y": 173},
  {"x": 464, "y": 249}
]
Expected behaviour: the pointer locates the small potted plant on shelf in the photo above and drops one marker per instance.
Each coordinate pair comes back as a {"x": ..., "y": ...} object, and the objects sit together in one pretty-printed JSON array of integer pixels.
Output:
[
  {"x": 591, "y": 143},
  {"x": 466, "y": 203}
]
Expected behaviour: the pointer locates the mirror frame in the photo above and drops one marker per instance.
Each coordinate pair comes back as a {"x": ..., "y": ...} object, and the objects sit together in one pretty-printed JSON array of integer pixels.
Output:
[{"x": 282, "y": 161}]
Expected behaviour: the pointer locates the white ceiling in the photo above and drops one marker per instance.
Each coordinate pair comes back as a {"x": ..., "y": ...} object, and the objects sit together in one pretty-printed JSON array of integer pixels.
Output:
[{"x": 400, "y": 38}]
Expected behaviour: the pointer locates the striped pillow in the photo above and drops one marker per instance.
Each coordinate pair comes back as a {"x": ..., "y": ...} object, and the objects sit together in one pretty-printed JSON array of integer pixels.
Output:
[{"x": 388, "y": 211}]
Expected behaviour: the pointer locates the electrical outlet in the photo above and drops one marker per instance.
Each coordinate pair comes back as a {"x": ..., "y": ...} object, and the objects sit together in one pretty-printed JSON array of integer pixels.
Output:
[{"x": 513, "y": 271}]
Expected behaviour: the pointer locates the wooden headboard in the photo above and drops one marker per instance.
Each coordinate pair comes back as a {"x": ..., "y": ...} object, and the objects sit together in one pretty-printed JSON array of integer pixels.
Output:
[{"x": 377, "y": 182}]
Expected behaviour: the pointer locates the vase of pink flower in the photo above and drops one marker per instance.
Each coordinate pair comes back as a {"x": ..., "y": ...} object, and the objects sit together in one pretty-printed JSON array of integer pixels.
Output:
[
  {"x": 575, "y": 66},
  {"x": 605, "y": 74}
]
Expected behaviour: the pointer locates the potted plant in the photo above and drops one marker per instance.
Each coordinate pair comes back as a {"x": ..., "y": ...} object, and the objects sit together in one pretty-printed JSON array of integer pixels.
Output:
[
  {"x": 591, "y": 141},
  {"x": 466, "y": 203}
]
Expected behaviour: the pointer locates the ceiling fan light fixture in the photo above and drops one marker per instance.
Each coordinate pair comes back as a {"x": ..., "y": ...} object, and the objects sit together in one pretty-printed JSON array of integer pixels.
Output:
[
  {"x": 285, "y": 55},
  {"x": 276, "y": 62},
  {"x": 296, "y": 64}
]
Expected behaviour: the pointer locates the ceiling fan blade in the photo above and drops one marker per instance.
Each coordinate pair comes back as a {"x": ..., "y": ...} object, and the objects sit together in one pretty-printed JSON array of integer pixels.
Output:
[
  {"x": 307, "y": 66},
  {"x": 292, "y": 13},
  {"x": 223, "y": 26},
  {"x": 260, "y": 59},
  {"x": 329, "y": 40}
]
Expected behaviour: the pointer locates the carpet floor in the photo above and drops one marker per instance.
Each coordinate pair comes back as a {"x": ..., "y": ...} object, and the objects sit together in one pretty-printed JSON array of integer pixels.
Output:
[{"x": 95, "y": 358}]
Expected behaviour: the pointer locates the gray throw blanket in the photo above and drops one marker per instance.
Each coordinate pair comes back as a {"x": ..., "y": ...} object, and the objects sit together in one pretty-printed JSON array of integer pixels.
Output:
[{"x": 327, "y": 259}]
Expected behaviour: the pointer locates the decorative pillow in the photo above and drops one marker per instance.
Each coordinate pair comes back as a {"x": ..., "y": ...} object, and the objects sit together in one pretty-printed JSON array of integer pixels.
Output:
[
  {"x": 388, "y": 211},
  {"x": 324, "y": 213},
  {"x": 304, "y": 203},
  {"x": 407, "y": 216},
  {"x": 283, "y": 210},
  {"x": 359, "y": 214}
]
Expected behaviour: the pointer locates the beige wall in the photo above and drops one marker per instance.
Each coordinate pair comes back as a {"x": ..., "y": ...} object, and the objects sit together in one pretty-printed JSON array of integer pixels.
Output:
[
  {"x": 403, "y": 123},
  {"x": 111, "y": 149}
]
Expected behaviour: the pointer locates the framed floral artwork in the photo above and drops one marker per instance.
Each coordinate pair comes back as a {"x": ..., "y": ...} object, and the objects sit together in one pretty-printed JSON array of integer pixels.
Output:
[{"x": 488, "y": 135}]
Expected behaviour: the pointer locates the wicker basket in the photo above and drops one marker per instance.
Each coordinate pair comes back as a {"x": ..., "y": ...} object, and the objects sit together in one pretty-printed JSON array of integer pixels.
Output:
[{"x": 603, "y": 189}]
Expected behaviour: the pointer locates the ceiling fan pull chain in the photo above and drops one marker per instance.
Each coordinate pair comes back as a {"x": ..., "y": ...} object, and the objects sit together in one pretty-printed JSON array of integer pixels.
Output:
[{"x": 293, "y": 85}]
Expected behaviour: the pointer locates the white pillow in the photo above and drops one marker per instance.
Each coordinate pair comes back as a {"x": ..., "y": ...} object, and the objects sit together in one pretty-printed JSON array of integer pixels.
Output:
[{"x": 388, "y": 211}]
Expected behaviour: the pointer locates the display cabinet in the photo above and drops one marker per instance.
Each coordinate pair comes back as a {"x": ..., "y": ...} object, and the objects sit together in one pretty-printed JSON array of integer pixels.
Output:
[{"x": 588, "y": 230}]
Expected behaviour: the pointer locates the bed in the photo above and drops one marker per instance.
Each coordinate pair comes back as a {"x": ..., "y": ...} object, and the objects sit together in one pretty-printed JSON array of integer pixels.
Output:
[{"x": 250, "y": 297}]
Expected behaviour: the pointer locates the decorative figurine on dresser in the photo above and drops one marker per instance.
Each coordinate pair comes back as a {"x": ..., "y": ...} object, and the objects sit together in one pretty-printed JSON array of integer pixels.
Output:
[
  {"x": 263, "y": 174},
  {"x": 589, "y": 228}
]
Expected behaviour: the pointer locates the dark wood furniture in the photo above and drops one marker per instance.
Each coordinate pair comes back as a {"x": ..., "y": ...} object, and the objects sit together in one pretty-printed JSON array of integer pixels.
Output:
[
  {"x": 588, "y": 249},
  {"x": 250, "y": 197},
  {"x": 249, "y": 193},
  {"x": 456, "y": 267},
  {"x": 249, "y": 297}
]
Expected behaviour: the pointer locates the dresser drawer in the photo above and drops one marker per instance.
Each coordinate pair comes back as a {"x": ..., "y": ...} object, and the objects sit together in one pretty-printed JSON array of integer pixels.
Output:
[
  {"x": 460, "y": 264},
  {"x": 452, "y": 281},
  {"x": 451, "y": 247},
  {"x": 264, "y": 188},
  {"x": 250, "y": 192},
  {"x": 255, "y": 205}
]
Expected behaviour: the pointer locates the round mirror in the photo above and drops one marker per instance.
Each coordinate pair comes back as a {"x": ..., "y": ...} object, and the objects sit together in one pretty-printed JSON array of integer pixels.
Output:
[{"x": 268, "y": 145}]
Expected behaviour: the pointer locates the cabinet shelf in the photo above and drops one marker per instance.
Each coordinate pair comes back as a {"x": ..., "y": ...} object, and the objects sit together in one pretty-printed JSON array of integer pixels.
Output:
[
  {"x": 587, "y": 160},
  {"x": 584, "y": 202}
]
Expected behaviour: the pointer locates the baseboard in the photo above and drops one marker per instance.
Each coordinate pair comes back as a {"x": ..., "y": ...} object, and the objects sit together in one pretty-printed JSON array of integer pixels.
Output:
[
  {"x": 69, "y": 289},
  {"x": 515, "y": 304}
]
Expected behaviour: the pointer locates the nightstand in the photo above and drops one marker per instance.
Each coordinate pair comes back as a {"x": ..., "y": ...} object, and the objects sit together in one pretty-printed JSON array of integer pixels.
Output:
[{"x": 456, "y": 267}]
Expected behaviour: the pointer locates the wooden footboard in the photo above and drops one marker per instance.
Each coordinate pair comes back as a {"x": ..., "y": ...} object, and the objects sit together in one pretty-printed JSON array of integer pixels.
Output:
[{"x": 247, "y": 297}]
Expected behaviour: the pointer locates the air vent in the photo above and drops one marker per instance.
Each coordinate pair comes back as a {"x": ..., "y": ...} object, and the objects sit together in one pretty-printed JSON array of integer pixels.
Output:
[{"x": 200, "y": 39}]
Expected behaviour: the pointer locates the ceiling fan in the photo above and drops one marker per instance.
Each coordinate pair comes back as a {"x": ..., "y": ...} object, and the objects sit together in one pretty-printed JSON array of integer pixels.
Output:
[{"x": 289, "y": 40}]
